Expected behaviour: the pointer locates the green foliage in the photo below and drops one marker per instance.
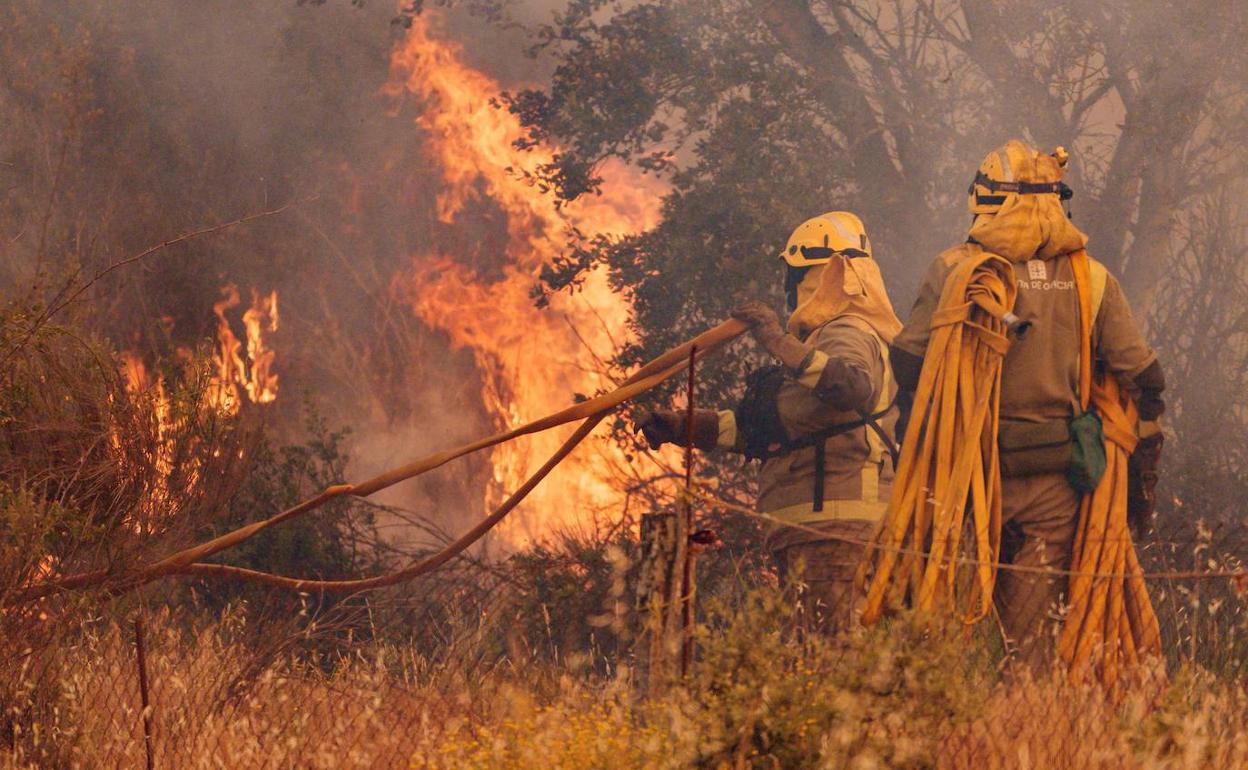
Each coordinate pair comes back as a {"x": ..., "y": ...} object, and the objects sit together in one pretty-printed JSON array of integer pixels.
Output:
[
  {"x": 338, "y": 540},
  {"x": 569, "y": 594},
  {"x": 762, "y": 696},
  {"x": 758, "y": 697}
]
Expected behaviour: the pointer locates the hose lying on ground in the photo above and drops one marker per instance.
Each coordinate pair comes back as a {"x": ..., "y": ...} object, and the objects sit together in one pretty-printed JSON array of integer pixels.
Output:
[
  {"x": 592, "y": 411},
  {"x": 949, "y": 465}
]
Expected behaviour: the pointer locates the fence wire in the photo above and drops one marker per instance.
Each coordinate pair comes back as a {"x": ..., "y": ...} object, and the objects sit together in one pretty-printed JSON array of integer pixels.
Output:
[{"x": 477, "y": 664}]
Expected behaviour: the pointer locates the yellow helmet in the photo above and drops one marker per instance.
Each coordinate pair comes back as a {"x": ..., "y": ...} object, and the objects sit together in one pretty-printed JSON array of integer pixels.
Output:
[
  {"x": 1016, "y": 168},
  {"x": 815, "y": 241}
]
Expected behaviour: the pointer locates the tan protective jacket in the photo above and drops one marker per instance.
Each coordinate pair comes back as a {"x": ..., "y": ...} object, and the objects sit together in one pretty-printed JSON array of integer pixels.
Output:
[
  {"x": 1040, "y": 378},
  {"x": 857, "y": 467}
]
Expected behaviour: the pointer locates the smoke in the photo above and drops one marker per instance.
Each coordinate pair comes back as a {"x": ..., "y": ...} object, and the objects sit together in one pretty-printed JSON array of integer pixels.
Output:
[{"x": 171, "y": 115}]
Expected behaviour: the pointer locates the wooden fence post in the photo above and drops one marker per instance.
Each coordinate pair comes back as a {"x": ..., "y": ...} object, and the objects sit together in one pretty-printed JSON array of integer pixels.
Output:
[
  {"x": 667, "y": 576},
  {"x": 144, "y": 700},
  {"x": 659, "y": 591}
]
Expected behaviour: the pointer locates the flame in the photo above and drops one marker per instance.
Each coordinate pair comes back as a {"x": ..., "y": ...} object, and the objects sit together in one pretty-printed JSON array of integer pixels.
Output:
[
  {"x": 231, "y": 371},
  {"x": 254, "y": 374},
  {"x": 532, "y": 361},
  {"x": 141, "y": 384},
  {"x": 262, "y": 381}
]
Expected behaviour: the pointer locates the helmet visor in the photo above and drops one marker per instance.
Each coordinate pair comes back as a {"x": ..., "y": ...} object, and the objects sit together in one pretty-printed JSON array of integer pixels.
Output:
[{"x": 826, "y": 252}]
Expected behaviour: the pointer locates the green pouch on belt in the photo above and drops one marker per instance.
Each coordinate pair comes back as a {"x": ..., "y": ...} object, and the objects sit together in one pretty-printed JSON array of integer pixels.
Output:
[{"x": 1087, "y": 453}]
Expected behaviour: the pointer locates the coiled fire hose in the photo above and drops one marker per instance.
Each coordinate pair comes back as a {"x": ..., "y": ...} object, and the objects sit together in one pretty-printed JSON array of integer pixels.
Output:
[
  {"x": 950, "y": 469},
  {"x": 592, "y": 411},
  {"x": 1111, "y": 624}
]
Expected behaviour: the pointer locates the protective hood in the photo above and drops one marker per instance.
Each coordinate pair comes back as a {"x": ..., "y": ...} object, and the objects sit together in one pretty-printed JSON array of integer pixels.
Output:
[
  {"x": 844, "y": 286},
  {"x": 1018, "y": 211}
]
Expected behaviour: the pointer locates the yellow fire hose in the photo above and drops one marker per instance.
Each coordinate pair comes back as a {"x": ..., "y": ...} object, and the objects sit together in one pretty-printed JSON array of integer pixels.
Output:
[
  {"x": 950, "y": 469},
  {"x": 592, "y": 411},
  {"x": 1110, "y": 625},
  {"x": 949, "y": 466}
]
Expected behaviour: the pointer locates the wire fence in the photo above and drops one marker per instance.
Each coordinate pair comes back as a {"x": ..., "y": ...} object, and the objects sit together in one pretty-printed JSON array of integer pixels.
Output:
[{"x": 467, "y": 667}]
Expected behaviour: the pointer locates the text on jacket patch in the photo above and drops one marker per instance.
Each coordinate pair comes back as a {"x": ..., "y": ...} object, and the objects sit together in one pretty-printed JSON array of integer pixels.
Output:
[{"x": 1038, "y": 278}]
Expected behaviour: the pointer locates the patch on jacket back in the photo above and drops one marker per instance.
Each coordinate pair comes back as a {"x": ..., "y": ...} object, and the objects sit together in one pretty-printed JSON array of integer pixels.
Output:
[{"x": 1038, "y": 278}]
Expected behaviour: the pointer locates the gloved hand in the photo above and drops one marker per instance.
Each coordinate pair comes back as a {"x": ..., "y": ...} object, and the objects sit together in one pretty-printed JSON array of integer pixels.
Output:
[
  {"x": 907, "y": 368},
  {"x": 1142, "y": 483},
  {"x": 660, "y": 427},
  {"x": 670, "y": 426},
  {"x": 765, "y": 327}
]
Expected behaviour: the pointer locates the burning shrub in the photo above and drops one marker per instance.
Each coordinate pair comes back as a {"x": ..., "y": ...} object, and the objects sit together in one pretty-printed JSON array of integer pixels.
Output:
[{"x": 108, "y": 470}]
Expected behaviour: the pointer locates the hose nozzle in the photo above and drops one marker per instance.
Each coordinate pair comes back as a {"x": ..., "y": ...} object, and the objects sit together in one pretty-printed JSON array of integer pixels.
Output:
[{"x": 1016, "y": 327}]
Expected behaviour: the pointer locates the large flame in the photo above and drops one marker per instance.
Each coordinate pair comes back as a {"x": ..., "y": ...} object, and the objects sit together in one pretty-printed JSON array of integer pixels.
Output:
[{"x": 531, "y": 360}]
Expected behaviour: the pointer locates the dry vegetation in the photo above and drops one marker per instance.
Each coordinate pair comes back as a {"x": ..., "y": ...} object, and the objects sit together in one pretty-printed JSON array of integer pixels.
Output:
[
  {"x": 755, "y": 699},
  {"x": 526, "y": 662},
  {"x": 523, "y": 664}
]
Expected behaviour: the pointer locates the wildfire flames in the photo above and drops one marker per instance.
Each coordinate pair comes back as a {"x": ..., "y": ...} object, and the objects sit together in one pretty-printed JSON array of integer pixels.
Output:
[
  {"x": 532, "y": 361},
  {"x": 232, "y": 375},
  {"x": 254, "y": 375}
]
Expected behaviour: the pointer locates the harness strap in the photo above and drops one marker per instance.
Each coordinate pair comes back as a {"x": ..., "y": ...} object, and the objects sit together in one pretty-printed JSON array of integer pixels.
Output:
[
  {"x": 818, "y": 439},
  {"x": 1022, "y": 188},
  {"x": 889, "y": 445},
  {"x": 821, "y": 452}
]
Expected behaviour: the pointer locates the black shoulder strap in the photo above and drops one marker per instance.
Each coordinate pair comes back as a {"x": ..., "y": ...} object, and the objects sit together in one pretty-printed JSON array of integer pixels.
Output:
[
  {"x": 873, "y": 423},
  {"x": 819, "y": 438}
]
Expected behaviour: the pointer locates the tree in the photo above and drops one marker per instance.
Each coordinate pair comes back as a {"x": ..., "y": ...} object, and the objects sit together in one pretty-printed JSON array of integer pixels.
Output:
[
  {"x": 780, "y": 109},
  {"x": 764, "y": 112}
]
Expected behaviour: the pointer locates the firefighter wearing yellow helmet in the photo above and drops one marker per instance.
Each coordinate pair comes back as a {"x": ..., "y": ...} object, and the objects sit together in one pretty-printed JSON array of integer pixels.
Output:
[
  {"x": 1016, "y": 199},
  {"x": 820, "y": 420}
]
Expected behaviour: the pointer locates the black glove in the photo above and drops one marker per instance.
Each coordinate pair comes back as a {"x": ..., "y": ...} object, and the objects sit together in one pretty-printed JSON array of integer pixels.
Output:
[
  {"x": 907, "y": 367},
  {"x": 1142, "y": 483},
  {"x": 669, "y": 426},
  {"x": 659, "y": 427}
]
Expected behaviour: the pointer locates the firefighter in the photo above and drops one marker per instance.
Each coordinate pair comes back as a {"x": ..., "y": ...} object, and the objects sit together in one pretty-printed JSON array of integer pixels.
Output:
[
  {"x": 1016, "y": 200},
  {"x": 820, "y": 420}
]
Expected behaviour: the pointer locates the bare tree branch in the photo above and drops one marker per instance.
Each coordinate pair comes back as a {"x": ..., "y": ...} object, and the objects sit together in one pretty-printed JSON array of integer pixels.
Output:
[{"x": 59, "y": 304}]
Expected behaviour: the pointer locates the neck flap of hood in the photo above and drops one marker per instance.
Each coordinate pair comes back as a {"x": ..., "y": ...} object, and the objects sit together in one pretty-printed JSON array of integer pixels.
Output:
[{"x": 847, "y": 287}]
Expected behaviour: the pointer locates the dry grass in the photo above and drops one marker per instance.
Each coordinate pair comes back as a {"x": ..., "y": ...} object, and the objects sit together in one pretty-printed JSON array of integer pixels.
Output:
[
  {"x": 211, "y": 708},
  {"x": 519, "y": 665},
  {"x": 757, "y": 698}
]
